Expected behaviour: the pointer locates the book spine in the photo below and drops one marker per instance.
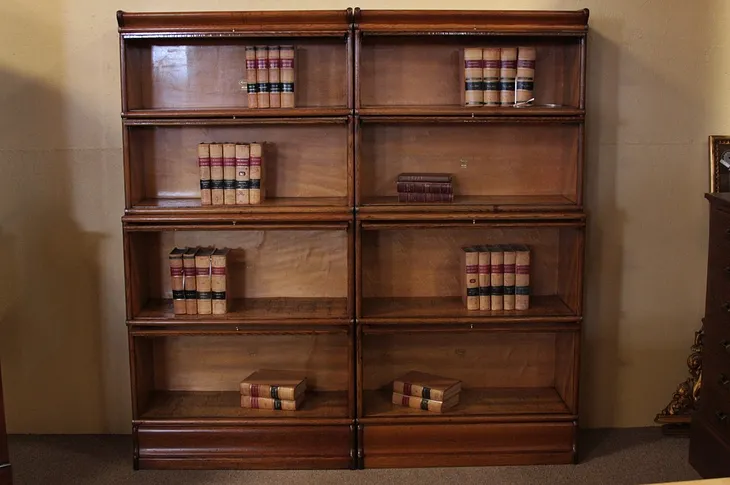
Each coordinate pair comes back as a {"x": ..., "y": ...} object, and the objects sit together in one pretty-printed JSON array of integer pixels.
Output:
[
  {"x": 485, "y": 302},
  {"x": 243, "y": 178},
  {"x": 216, "y": 173},
  {"x": 274, "y": 77},
  {"x": 525, "y": 79},
  {"x": 203, "y": 284},
  {"x": 251, "y": 83},
  {"x": 204, "y": 168},
  {"x": 424, "y": 197},
  {"x": 286, "y": 74},
  {"x": 417, "y": 403},
  {"x": 509, "y": 277},
  {"x": 490, "y": 73},
  {"x": 424, "y": 178},
  {"x": 471, "y": 278},
  {"x": 218, "y": 283},
  {"x": 262, "y": 75},
  {"x": 507, "y": 74},
  {"x": 473, "y": 77},
  {"x": 415, "y": 390},
  {"x": 256, "y": 195},
  {"x": 191, "y": 294},
  {"x": 229, "y": 173},
  {"x": 268, "y": 403},
  {"x": 496, "y": 263},
  {"x": 177, "y": 282},
  {"x": 264, "y": 390},
  {"x": 522, "y": 278},
  {"x": 425, "y": 187}
]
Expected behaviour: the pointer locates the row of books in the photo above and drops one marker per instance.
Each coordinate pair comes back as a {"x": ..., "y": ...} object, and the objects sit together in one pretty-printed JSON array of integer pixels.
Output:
[
  {"x": 270, "y": 76},
  {"x": 497, "y": 277},
  {"x": 425, "y": 187},
  {"x": 278, "y": 390},
  {"x": 497, "y": 76},
  {"x": 429, "y": 392},
  {"x": 231, "y": 173},
  {"x": 199, "y": 280}
]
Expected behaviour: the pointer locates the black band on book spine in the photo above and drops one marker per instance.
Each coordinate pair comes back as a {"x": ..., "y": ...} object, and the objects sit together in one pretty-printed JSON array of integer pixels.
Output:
[
  {"x": 424, "y": 404},
  {"x": 243, "y": 184},
  {"x": 509, "y": 290},
  {"x": 251, "y": 88},
  {"x": 472, "y": 292},
  {"x": 274, "y": 87},
  {"x": 287, "y": 87},
  {"x": 525, "y": 85},
  {"x": 426, "y": 393},
  {"x": 507, "y": 85},
  {"x": 218, "y": 295},
  {"x": 216, "y": 184},
  {"x": 255, "y": 183},
  {"x": 178, "y": 294},
  {"x": 497, "y": 290},
  {"x": 473, "y": 85},
  {"x": 274, "y": 392},
  {"x": 206, "y": 184},
  {"x": 262, "y": 87},
  {"x": 522, "y": 290},
  {"x": 191, "y": 295},
  {"x": 484, "y": 290},
  {"x": 277, "y": 404},
  {"x": 491, "y": 85},
  {"x": 205, "y": 295},
  {"x": 229, "y": 184}
]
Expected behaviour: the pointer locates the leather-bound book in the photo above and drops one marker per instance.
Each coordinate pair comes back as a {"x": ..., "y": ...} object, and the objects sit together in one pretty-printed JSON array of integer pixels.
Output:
[
  {"x": 525, "y": 80},
  {"x": 485, "y": 297},
  {"x": 427, "y": 386},
  {"x": 204, "y": 168},
  {"x": 287, "y": 75},
  {"x": 203, "y": 281},
  {"x": 243, "y": 174},
  {"x": 470, "y": 278},
  {"x": 191, "y": 294},
  {"x": 497, "y": 276},
  {"x": 251, "y": 83},
  {"x": 522, "y": 277},
  {"x": 216, "y": 173},
  {"x": 229, "y": 173},
  {"x": 507, "y": 75},
  {"x": 271, "y": 403},
  {"x": 177, "y": 281},
  {"x": 256, "y": 172},
  {"x": 272, "y": 383},
  {"x": 274, "y": 77},
  {"x": 490, "y": 74},
  {"x": 262, "y": 75},
  {"x": 509, "y": 277},
  {"x": 219, "y": 283},
  {"x": 414, "y": 402},
  {"x": 473, "y": 95}
]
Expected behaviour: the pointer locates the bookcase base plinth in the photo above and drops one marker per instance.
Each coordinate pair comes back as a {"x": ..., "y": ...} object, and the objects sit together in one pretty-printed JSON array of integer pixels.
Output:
[
  {"x": 216, "y": 447},
  {"x": 485, "y": 444}
]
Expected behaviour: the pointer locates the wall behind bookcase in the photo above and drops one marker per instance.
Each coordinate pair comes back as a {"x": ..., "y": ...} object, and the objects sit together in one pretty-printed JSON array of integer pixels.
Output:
[{"x": 658, "y": 86}]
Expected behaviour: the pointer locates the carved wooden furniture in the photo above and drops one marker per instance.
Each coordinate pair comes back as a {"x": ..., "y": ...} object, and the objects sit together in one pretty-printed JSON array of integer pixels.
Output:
[
  {"x": 341, "y": 280},
  {"x": 5, "y": 470},
  {"x": 710, "y": 426}
]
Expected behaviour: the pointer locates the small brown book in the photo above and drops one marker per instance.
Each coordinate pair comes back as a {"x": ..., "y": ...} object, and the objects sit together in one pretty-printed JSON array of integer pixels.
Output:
[
  {"x": 243, "y": 178},
  {"x": 256, "y": 173},
  {"x": 287, "y": 75},
  {"x": 251, "y": 84},
  {"x": 177, "y": 281},
  {"x": 277, "y": 384},
  {"x": 425, "y": 404},
  {"x": 426, "y": 386},
  {"x": 229, "y": 173},
  {"x": 204, "y": 169},
  {"x": 191, "y": 294},
  {"x": 216, "y": 173},
  {"x": 424, "y": 177},
  {"x": 470, "y": 277},
  {"x": 219, "y": 284},
  {"x": 203, "y": 281},
  {"x": 271, "y": 403}
]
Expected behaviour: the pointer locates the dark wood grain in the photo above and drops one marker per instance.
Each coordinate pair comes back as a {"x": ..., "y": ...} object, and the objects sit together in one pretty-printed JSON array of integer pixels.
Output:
[
  {"x": 253, "y": 446},
  {"x": 709, "y": 450},
  {"x": 454, "y": 444},
  {"x": 5, "y": 469}
]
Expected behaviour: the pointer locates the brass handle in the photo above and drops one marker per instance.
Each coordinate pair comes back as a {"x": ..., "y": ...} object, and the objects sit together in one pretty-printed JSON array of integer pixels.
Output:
[
  {"x": 722, "y": 417},
  {"x": 724, "y": 381}
]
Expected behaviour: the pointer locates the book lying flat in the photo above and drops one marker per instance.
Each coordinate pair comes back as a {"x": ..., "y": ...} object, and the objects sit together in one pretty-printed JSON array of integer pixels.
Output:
[
  {"x": 271, "y": 403},
  {"x": 276, "y": 384},
  {"x": 425, "y": 404},
  {"x": 427, "y": 386}
]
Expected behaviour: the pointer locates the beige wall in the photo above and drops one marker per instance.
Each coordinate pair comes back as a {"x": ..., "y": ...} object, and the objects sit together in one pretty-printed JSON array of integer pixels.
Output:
[{"x": 656, "y": 90}]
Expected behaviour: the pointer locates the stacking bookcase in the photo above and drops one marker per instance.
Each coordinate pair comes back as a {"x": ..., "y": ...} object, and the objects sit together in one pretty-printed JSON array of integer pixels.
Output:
[{"x": 328, "y": 275}]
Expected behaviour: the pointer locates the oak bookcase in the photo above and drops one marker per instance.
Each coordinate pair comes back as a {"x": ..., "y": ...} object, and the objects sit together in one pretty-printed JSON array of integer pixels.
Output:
[{"x": 331, "y": 275}]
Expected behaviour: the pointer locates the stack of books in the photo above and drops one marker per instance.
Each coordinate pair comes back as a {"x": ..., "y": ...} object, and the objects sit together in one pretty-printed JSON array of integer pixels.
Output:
[
  {"x": 497, "y": 76},
  {"x": 199, "y": 281},
  {"x": 425, "y": 187},
  {"x": 496, "y": 277},
  {"x": 278, "y": 390},
  {"x": 231, "y": 173},
  {"x": 428, "y": 392}
]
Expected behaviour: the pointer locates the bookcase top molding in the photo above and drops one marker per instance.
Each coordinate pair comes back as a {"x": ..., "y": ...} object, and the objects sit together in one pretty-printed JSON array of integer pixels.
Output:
[{"x": 323, "y": 22}]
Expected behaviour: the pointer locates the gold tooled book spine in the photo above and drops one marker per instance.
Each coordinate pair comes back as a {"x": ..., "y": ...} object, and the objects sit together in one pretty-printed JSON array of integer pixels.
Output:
[
  {"x": 204, "y": 168},
  {"x": 287, "y": 75},
  {"x": 509, "y": 277},
  {"x": 177, "y": 282},
  {"x": 243, "y": 177},
  {"x": 473, "y": 95},
  {"x": 470, "y": 265},
  {"x": 490, "y": 75},
  {"x": 203, "y": 281},
  {"x": 229, "y": 173},
  {"x": 216, "y": 173},
  {"x": 262, "y": 75},
  {"x": 496, "y": 264},
  {"x": 219, "y": 283},
  {"x": 522, "y": 278},
  {"x": 251, "y": 84},
  {"x": 191, "y": 294},
  {"x": 274, "y": 77},
  {"x": 485, "y": 298},
  {"x": 507, "y": 74},
  {"x": 525, "y": 80},
  {"x": 256, "y": 172}
]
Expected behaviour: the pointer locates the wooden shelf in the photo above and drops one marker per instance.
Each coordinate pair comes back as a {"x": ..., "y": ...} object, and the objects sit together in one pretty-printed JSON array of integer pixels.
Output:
[
  {"x": 292, "y": 205},
  {"x": 473, "y": 402},
  {"x": 469, "y": 203},
  {"x": 451, "y": 309},
  {"x": 283, "y": 311},
  {"x": 402, "y": 113},
  {"x": 233, "y": 113},
  {"x": 205, "y": 405}
]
